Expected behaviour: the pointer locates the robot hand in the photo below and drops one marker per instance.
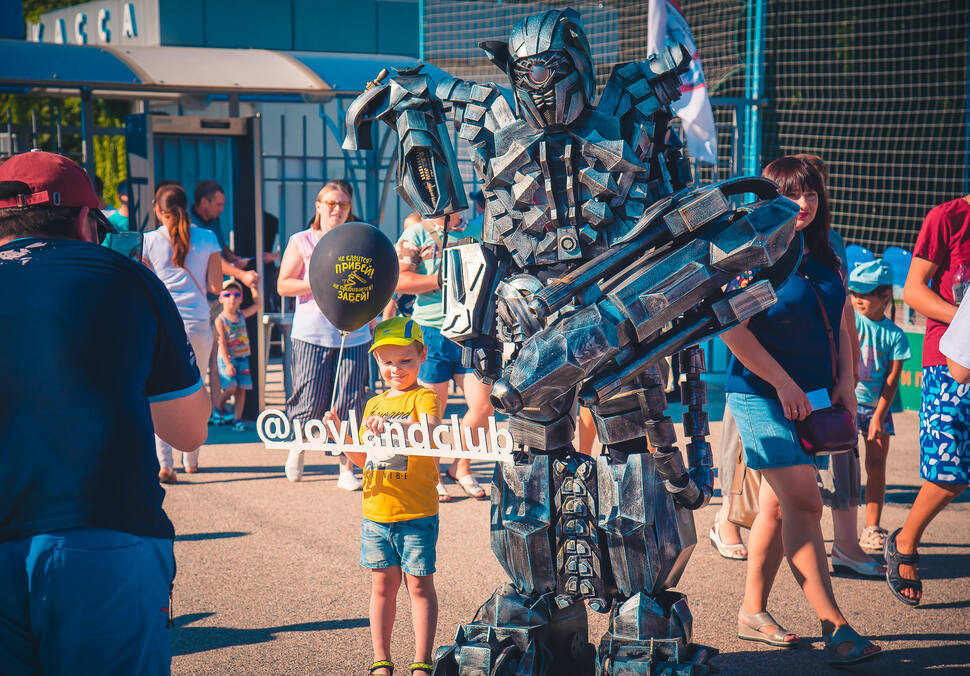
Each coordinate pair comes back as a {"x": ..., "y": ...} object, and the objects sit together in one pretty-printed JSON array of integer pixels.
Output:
[{"x": 428, "y": 177}]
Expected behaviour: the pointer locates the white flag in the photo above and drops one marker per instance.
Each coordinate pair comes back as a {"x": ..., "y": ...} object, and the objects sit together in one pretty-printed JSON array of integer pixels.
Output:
[{"x": 667, "y": 26}]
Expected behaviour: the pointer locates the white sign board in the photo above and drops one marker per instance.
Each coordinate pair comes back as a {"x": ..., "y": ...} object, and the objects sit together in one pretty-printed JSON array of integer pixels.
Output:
[{"x": 449, "y": 440}]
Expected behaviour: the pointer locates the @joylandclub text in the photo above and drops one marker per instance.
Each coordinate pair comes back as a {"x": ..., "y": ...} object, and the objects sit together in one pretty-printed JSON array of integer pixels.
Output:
[{"x": 447, "y": 439}]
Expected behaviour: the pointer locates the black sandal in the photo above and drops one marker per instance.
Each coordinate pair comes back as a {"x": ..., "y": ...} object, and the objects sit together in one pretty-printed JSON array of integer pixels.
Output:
[
  {"x": 423, "y": 666},
  {"x": 896, "y": 582},
  {"x": 381, "y": 664}
]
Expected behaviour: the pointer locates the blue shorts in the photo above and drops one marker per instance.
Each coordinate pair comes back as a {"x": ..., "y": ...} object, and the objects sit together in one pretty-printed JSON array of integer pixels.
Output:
[
  {"x": 243, "y": 377},
  {"x": 767, "y": 436},
  {"x": 85, "y": 601},
  {"x": 944, "y": 428},
  {"x": 444, "y": 358},
  {"x": 408, "y": 544},
  {"x": 864, "y": 417}
]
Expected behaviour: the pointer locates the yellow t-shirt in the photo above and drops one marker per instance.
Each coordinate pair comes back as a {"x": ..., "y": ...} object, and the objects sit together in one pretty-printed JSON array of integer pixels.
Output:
[{"x": 402, "y": 487}]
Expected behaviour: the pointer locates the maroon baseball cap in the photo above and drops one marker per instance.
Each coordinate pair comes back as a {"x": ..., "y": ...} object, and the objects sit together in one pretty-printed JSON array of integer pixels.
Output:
[{"x": 54, "y": 180}]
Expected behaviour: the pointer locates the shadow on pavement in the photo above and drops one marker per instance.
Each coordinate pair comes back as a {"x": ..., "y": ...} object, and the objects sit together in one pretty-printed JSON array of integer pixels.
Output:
[
  {"x": 224, "y": 434},
  {"x": 943, "y": 659},
  {"x": 906, "y": 494},
  {"x": 195, "y": 537},
  {"x": 944, "y": 567},
  {"x": 311, "y": 473},
  {"x": 188, "y": 640}
]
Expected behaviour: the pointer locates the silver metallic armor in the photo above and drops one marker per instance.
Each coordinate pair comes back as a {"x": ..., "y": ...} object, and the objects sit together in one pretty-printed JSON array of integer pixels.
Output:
[{"x": 598, "y": 260}]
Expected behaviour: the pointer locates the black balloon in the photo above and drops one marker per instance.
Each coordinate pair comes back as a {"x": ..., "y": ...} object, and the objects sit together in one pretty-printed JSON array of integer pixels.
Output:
[{"x": 353, "y": 273}]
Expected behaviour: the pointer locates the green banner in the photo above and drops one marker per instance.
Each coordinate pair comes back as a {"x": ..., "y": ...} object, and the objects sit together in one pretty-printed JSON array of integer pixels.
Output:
[{"x": 911, "y": 380}]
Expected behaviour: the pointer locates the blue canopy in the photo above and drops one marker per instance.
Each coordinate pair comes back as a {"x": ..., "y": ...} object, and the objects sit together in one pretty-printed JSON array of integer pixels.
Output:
[
  {"x": 44, "y": 64},
  {"x": 139, "y": 71}
]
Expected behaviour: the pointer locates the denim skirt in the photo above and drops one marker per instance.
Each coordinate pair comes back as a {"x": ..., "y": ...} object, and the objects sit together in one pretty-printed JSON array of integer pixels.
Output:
[{"x": 769, "y": 438}]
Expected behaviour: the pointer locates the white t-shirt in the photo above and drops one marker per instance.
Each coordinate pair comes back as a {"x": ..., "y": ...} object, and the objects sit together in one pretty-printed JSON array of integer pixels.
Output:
[
  {"x": 189, "y": 298},
  {"x": 955, "y": 343}
]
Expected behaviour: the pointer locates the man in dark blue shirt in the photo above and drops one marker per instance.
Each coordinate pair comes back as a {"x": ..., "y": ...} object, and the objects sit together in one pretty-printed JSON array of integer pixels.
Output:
[{"x": 94, "y": 359}]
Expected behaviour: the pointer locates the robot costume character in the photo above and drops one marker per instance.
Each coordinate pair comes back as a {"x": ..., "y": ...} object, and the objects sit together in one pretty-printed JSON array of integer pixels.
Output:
[{"x": 597, "y": 260}]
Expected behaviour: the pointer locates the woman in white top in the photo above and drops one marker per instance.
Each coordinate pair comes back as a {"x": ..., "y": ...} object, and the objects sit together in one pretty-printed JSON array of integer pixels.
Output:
[
  {"x": 187, "y": 260},
  {"x": 315, "y": 341}
]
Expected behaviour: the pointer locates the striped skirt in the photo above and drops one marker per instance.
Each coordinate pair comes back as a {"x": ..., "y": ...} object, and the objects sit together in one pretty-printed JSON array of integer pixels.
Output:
[{"x": 313, "y": 369}]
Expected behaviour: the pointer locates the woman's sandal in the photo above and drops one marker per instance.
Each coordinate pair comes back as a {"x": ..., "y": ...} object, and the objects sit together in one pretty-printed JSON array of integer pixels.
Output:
[
  {"x": 842, "y": 635},
  {"x": 470, "y": 485},
  {"x": 749, "y": 629},
  {"x": 732, "y": 552},
  {"x": 897, "y": 583},
  {"x": 382, "y": 664},
  {"x": 443, "y": 493},
  {"x": 873, "y": 539},
  {"x": 422, "y": 666}
]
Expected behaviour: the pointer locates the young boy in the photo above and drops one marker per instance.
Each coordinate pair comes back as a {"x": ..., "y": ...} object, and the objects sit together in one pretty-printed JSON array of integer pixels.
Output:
[
  {"x": 234, "y": 374},
  {"x": 400, "y": 527}
]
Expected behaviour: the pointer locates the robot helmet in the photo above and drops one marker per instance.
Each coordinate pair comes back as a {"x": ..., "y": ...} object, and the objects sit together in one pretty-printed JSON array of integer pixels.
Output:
[{"x": 548, "y": 62}]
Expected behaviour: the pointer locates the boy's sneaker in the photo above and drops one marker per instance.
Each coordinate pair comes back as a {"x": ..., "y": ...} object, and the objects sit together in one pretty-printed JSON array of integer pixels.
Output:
[
  {"x": 349, "y": 482},
  {"x": 217, "y": 417},
  {"x": 241, "y": 426},
  {"x": 227, "y": 416}
]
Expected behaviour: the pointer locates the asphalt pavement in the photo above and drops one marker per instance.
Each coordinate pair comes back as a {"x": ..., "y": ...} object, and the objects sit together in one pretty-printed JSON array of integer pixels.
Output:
[{"x": 269, "y": 581}]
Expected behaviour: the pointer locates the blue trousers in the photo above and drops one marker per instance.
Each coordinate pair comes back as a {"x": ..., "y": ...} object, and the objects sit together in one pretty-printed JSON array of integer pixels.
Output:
[{"x": 85, "y": 601}]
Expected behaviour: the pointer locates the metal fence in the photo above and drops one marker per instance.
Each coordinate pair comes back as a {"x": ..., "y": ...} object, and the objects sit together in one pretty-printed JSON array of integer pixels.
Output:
[{"x": 877, "y": 88}]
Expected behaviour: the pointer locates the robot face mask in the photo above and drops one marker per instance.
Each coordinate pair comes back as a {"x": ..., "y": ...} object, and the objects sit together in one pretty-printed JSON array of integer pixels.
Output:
[
  {"x": 548, "y": 88},
  {"x": 548, "y": 61}
]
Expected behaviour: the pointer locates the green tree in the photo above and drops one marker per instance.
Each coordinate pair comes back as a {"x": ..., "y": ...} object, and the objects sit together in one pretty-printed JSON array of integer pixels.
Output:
[
  {"x": 34, "y": 8},
  {"x": 109, "y": 151}
]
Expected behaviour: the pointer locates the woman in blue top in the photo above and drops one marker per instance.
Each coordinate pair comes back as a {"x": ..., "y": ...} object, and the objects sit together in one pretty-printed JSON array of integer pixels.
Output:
[{"x": 779, "y": 355}]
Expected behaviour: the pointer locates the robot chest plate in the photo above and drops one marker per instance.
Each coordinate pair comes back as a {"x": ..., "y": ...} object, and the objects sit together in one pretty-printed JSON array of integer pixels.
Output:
[{"x": 549, "y": 196}]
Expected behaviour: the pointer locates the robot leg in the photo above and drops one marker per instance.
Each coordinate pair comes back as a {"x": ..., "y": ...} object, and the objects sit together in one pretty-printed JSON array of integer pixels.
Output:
[
  {"x": 649, "y": 538},
  {"x": 533, "y": 626}
]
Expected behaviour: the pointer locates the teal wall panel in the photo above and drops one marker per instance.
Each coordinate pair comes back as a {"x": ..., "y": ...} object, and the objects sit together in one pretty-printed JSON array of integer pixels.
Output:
[
  {"x": 398, "y": 27},
  {"x": 335, "y": 26},
  {"x": 181, "y": 23},
  {"x": 248, "y": 24}
]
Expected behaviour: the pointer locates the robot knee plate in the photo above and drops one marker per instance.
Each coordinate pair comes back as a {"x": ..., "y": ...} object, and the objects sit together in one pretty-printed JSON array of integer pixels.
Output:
[{"x": 520, "y": 525}]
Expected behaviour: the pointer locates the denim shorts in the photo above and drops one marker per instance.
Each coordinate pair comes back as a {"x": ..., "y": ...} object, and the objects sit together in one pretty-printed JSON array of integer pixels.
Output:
[
  {"x": 408, "y": 544},
  {"x": 243, "y": 376},
  {"x": 767, "y": 436},
  {"x": 864, "y": 417},
  {"x": 444, "y": 358}
]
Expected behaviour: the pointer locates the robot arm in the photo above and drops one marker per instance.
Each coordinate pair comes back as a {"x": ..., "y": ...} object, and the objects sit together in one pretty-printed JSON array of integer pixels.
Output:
[
  {"x": 428, "y": 177},
  {"x": 638, "y": 307}
]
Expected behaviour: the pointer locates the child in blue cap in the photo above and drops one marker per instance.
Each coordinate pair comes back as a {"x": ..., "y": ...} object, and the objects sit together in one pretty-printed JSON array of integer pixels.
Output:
[{"x": 884, "y": 349}]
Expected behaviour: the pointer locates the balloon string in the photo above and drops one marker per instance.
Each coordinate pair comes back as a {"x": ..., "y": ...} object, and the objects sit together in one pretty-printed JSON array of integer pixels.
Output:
[{"x": 336, "y": 377}]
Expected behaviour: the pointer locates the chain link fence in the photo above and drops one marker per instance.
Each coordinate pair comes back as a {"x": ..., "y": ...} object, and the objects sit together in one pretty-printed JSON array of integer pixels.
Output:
[{"x": 877, "y": 88}]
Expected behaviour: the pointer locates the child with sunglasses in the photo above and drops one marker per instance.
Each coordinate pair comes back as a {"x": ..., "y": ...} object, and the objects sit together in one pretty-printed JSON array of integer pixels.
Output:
[{"x": 234, "y": 374}]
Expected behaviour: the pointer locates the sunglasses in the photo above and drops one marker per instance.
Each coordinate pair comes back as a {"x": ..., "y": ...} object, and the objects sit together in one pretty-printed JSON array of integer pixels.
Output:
[
  {"x": 231, "y": 294},
  {"x": 330, "y": 204}
]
